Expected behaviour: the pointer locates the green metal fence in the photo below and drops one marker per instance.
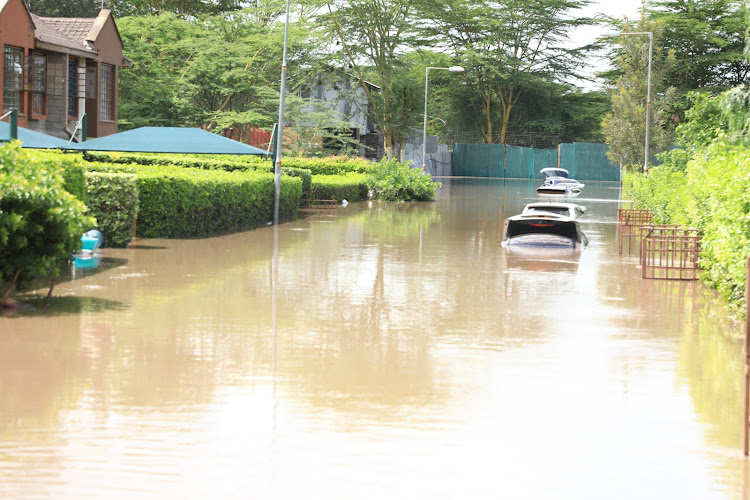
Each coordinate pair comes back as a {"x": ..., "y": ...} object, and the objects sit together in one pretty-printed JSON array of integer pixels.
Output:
[{"x": 584, "y": 161}]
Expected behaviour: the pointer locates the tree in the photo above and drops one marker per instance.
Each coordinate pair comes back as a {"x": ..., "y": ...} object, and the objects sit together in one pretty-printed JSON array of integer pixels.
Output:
[
  {"x": 370, "y": 36},
  {"x": 506, "y": 45},
  {"x": 625, "y": 127},
  {"x": 214, "y": 72},
  {"x": 68, "y": 8},
  {"x": 708, "y": 38},
  {"x": 316, "y": 128}
]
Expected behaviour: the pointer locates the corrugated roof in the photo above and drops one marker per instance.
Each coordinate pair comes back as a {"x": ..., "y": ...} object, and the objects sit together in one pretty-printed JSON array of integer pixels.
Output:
[
  {"x": 47, "y": 31},
  {"x": 168, "y": 140}
]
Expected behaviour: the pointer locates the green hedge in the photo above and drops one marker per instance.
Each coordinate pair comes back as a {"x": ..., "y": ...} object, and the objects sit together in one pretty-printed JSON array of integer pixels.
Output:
[
  {"x": 113, "y": 200},
  {"x": 350, "y": 187},
  {"x": 391, "y": 180},
  {"x": 181, "y": 202},
  {"x": 40, "y": 222},
  {"x": 712, "y": 195},
  {"x": 229, "y": 163}
]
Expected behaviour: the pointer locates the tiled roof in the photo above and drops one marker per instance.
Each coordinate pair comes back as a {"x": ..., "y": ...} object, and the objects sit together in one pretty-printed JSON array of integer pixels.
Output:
[{"x": 64, "y": 32}]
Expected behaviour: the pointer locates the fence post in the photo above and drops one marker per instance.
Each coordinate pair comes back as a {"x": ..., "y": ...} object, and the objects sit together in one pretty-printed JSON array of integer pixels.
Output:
[{"x": 13, "y": 123}]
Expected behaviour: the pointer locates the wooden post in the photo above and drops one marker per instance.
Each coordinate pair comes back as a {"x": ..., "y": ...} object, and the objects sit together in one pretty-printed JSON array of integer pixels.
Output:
[{"x": 747, "y": 358}]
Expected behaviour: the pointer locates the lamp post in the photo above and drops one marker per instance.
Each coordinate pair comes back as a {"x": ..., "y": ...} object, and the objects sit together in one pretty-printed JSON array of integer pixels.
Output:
[
  {"x": 455, "y": 69},
  {"x": 280, "y": 132},
  {"x": 648, "y": 92}
]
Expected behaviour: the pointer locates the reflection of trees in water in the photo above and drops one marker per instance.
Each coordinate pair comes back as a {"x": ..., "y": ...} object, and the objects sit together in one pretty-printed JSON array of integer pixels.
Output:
[{"x": 711, "y": 362}]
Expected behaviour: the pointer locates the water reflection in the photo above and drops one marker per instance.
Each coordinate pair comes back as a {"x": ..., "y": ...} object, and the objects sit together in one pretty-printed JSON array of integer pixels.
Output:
[{"x": 384, "y": 340}]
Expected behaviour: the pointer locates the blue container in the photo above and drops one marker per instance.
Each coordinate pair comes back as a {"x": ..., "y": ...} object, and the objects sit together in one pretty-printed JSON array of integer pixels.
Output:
[{"x": 89, "y": 243}]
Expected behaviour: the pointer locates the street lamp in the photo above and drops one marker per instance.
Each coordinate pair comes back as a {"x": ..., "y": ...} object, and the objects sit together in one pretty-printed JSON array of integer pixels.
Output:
[
  {"x": 455, "y": 69},
  {"x": 648, "y": 90},
  {"x": 280, "y": 131}
]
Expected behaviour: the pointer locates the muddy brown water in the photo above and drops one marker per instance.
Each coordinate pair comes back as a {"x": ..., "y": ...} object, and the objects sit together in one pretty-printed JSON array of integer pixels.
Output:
[{"x": 375, "y": 351}]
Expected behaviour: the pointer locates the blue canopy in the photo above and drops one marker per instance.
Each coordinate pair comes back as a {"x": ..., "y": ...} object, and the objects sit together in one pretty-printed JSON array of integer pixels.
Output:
[
  {"x": 31, "y": 139},
  {"x": 168, "y": 140}
]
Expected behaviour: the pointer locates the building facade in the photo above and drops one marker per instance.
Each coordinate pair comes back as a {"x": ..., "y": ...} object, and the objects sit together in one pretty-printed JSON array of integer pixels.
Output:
[{"x": 56, "y": 69}]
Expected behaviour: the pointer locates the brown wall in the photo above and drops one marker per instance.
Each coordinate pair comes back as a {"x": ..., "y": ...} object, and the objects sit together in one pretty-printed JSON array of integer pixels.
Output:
[
  {"x": 16, "y": 28},
  {"x": 110, "y": 52}
]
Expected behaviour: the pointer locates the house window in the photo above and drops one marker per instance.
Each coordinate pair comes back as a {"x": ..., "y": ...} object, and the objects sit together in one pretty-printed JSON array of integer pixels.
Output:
[
  {"x": 305, "y": 92},
  {"x": 107, "y": 92},
  {"x": 73, "y": 88},
  {"x": 38, "y": 84},
  {"x": 13, "y": 79}
]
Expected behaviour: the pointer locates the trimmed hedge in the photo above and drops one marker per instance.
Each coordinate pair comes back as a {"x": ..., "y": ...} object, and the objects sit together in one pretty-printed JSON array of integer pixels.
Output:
[
  {"x": 229, "y": 163},
  {"x": 113, "y": 200},
  {"x": 350, "y": 187},
  {"x": 181, "y": 202},
  {"x": 40, "y": 222}
]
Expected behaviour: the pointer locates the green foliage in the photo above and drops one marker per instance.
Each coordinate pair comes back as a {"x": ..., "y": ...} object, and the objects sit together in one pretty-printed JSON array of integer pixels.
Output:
[
  {"x": 719, "y": 186},
  {"x": 113, "y": 200},
  {"x": 316, "y": 129},
  {"x": 707, "y": 37},
  {"x": 40, "y": 222},
  {"x": 391, "y": 180},
  {"x": 350, "y": 187},
  {"x": 183, "y": 203},
  {"x": 213, "y": 71},
  {"x": 506, "y": 47},
  {"x": 331, "y": 165}
]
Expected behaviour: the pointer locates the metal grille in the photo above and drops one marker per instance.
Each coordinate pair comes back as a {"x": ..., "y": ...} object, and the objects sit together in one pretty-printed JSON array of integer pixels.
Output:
[
  {"x": 669, "y": 252},
  {"x": 630, "y": 221},
  {"x": 73, "y": 88},
  {"x": 13, "y": 78},
  {"x": 107, "y": 94},
  {"x": 38, "y": 83}
]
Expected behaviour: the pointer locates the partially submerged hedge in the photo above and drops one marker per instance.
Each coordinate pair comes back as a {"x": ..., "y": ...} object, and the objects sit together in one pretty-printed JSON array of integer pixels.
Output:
[
  {"x": 113, "y": 200},
  {"x": 350, "y": 187},
  {"x": 180, "y": 202},
  {"x": 40, "y": 222}
]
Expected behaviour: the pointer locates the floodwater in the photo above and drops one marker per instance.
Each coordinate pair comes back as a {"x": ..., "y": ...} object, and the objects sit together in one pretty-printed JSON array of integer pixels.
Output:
[{"x": 375, "y": 351}]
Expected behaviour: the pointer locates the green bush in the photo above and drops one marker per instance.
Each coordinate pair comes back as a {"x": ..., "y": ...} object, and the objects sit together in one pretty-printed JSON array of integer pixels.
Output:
[
  {"x": 331, "y": 165},
  {"x": 229, "y": 163},
  {"x": 113, "y": 200},
  {"x": 391, "y": 180},
  {"x": 719, "y": 205},
  {"x": 182, "y": 202},
  {"x": 40, "y": 222},
  {"x": 350, "y": 187}
]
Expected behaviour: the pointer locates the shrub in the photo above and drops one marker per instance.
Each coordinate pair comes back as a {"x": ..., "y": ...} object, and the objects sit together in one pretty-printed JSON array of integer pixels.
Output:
[
  {"x": 350, "y": 187},
  {"x": 391, "y": 180},
  {"x": 40, "y": 223},
  {"x": 113, "y": 200},
  {"x": 181, "y": 202}
]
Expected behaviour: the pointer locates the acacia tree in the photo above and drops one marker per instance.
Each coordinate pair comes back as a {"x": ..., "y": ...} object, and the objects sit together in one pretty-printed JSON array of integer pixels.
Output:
[
  {"x": 505, "y": 44},
  {"x": 625, "y": 127},
  {"x": 370, "y": 35},
  {"x": 708, "y": 38}
]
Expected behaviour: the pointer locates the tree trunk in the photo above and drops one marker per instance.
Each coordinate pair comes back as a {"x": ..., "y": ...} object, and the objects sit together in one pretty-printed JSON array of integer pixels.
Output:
[{"x": 10, "y": 288}]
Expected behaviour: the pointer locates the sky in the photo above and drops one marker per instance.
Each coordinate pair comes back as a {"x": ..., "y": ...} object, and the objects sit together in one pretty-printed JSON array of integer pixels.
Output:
[{"x": 614, "y": 8}]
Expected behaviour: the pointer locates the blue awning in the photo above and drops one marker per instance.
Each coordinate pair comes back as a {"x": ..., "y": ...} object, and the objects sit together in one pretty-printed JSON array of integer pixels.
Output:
[
  {"x": 31, "y": 139},
  {"x": 168, "y": 140}
]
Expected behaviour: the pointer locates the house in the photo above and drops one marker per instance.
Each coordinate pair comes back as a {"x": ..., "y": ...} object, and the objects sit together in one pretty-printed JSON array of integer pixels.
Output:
[
  {"x": 348, "y": 101},
  {"x": 57, "y": 69}
]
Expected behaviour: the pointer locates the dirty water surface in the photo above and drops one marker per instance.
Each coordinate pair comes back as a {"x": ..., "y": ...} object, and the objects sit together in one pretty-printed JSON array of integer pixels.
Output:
[{"x": 378, "y": 350}]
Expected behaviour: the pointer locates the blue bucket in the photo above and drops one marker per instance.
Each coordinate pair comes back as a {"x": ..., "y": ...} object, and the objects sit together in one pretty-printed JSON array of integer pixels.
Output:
[{"x": 89, "y": 243}]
